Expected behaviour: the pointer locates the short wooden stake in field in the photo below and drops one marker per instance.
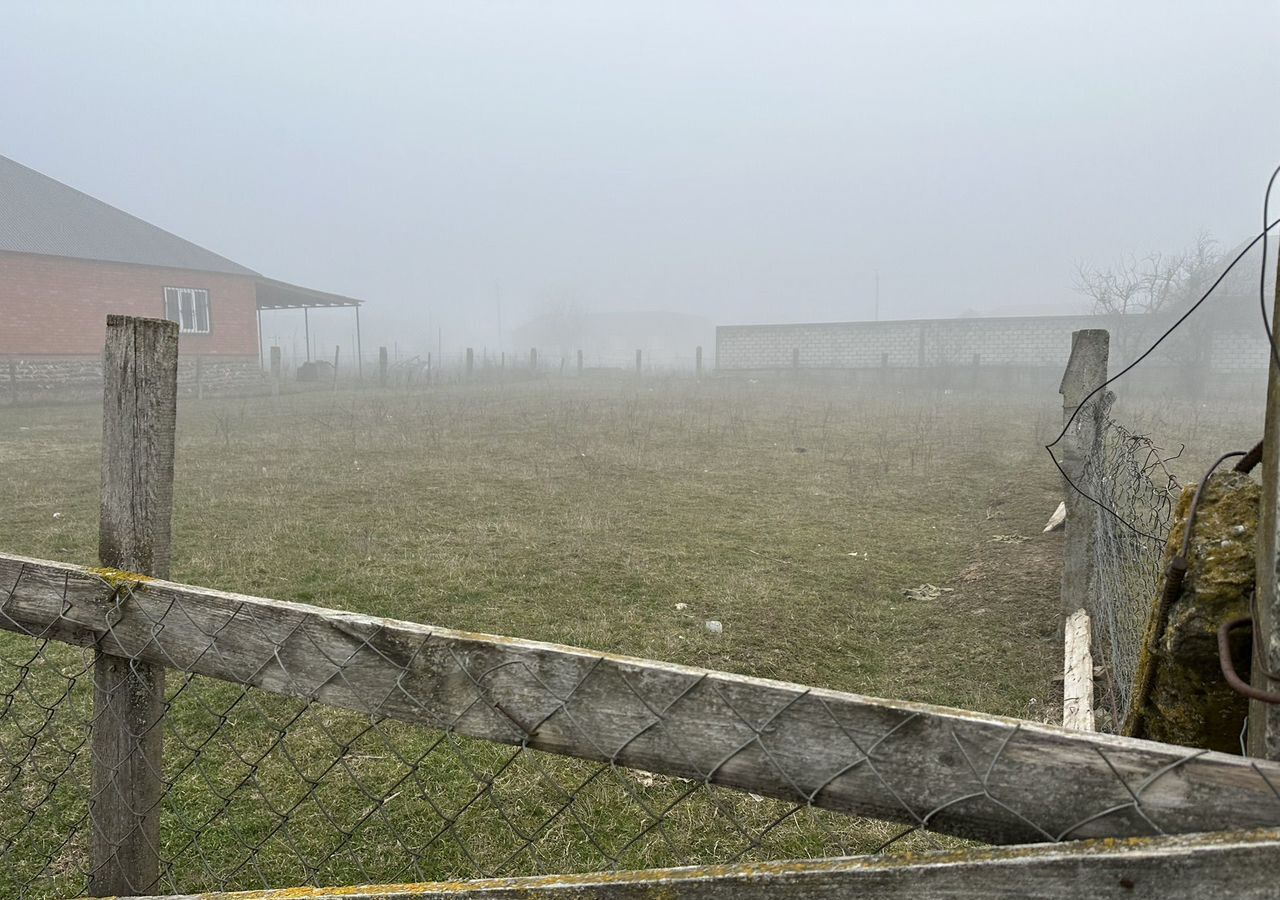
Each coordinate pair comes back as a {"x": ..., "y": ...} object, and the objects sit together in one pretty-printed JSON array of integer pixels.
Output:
[
  {"x": 1077, "y": 674},
  {"x": 275, "y": 371},
  {"x": 140, "y": 398}
]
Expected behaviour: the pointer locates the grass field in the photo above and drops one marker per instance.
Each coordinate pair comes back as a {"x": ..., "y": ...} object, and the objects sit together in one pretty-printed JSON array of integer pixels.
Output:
[{"x": 795, "y": 512}]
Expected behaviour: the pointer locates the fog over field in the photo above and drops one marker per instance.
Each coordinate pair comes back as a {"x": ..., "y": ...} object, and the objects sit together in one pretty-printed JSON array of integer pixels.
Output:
[{"x": 469, "y": 168}]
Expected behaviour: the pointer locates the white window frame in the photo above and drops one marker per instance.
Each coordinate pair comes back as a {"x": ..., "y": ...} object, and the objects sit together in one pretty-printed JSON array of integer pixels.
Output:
[{"x": 189, "y": 307}]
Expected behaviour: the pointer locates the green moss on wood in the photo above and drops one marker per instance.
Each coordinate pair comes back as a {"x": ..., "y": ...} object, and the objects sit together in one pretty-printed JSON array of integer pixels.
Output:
[{"x": 1189, "y": 702}]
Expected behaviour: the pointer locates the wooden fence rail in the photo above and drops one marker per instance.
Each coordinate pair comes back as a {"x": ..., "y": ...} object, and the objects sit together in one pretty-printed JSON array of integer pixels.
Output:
[
  {"x": 1206, "y": 867},
  {"x": 954, "y": 771}
]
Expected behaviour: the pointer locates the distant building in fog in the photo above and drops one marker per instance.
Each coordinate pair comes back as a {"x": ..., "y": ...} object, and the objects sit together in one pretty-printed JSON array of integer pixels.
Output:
[
  {"x": 667, "y": 339},
  {"x": 67, "y": 260}
]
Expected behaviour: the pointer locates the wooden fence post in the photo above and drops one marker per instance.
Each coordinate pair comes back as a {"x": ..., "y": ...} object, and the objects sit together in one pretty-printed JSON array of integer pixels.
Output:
[
  {"x": 275, "y": 371},
  {"x": 697, "y": 362},
  {"x": 471, "y": 360},
  {"x": 1086, "y": 369},
  {"x": 140, "y": 396},
  {"x": 533, "y": 358},
  {"x": 637, "y": 362},
  {"x": 1077, "y": 673},
  {"x": 382, "y": 366},
  {"x": 579, "y": 362},
  {"x": 1264, "y": 718}
]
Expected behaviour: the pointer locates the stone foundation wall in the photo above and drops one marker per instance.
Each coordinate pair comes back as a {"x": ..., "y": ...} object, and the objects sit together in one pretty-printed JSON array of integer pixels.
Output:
[{"x": 73, "y": 378}]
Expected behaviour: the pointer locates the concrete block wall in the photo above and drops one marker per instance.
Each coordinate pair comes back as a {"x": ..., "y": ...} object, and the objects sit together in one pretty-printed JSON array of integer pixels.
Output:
[{"x": 1024, "y": 342}]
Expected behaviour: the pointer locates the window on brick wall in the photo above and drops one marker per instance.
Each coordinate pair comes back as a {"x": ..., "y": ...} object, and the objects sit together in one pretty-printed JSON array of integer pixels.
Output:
[{"x": 189, "y": 307}]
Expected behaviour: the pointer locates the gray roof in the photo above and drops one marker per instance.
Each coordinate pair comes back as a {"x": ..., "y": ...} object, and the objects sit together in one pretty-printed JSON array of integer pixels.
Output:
[{"x": 44, "y": 216}]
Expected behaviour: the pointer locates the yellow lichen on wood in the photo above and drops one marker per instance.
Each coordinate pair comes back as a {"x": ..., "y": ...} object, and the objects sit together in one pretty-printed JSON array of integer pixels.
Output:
[
  {"x": 1182, "y": 697},
  {"x": 120, "y": 580}
]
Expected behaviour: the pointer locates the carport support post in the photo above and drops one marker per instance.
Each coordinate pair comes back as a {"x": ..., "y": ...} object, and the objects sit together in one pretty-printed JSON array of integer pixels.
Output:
[
  {"x": 140, "y": 398},
  {"x": 1264, "y": 718},
  {"x": 1086, "y": 369},
  {"x": 359, "y": 352}
]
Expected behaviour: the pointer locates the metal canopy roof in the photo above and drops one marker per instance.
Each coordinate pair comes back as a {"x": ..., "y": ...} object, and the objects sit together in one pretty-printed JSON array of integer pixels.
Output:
[{"x": 274, "y": 294}]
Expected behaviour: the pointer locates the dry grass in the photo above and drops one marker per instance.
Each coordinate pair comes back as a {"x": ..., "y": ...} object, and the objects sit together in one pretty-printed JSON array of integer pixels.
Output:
[{"x": 794, "y": 512}]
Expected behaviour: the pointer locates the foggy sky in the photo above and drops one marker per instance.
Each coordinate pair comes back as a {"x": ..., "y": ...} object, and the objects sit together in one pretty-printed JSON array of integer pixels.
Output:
[{"x": 748, "y": 162}]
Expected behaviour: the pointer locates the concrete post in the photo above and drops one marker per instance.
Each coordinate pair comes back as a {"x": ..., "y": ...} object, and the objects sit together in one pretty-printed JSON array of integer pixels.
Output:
[{"x": 1086, "y": 369}]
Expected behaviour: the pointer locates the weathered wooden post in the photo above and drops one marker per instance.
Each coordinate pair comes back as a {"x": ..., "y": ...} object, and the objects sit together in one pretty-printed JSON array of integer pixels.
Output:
[
  {"x": 1086, "y": 369},
  {"x": 533, "y": 358},
  {"x": 637, "y": 362},
  {"x": 140, "y": 397},
  {"x": 1077, "y": 674},
  {"x": 697, "y": 362},
  {"x": 1264, "y": 718},
  {"x": 579, "y": 362},
  {"x": 471, "y": 361},
  {"x": 382, "y": 367},
  {"x": 275, "y": 371}
]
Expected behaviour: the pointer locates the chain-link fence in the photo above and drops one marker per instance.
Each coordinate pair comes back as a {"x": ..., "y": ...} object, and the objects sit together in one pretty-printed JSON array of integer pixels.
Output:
[
  {"x": 307, "y": 746},
  {"x": 1133, "y": 494}
]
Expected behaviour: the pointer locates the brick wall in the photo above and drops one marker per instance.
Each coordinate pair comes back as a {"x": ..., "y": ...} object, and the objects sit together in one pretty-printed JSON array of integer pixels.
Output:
[
  {"x": 56, "y": 307},
  {"x": 1024, "y": 342}
]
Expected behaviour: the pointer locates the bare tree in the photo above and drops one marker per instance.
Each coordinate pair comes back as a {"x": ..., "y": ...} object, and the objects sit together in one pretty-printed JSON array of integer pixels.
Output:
[
  {"x": 1154, "y": 283},
  {"x": 1157, "y": 283}
]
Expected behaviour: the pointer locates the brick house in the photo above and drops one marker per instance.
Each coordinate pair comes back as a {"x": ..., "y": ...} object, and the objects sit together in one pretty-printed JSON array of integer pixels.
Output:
[{"x": 68, "y": 259}]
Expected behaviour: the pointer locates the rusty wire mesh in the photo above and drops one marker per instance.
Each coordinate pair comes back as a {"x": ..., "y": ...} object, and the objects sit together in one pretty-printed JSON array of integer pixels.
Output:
[
  {"x": 269, "y": 788},
  {"x": 1134, "y": 494}
]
